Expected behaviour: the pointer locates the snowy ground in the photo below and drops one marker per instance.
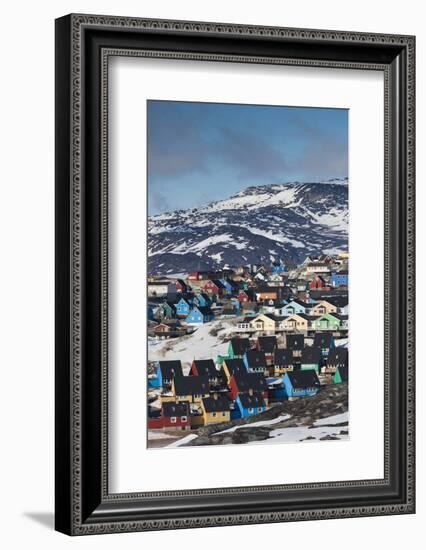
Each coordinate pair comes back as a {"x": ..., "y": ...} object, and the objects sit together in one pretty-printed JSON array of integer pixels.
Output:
[
  {"x": 260, "y": 423},
  {"x": 201, "y": 344},
  {"x": 323, "y": 428}
]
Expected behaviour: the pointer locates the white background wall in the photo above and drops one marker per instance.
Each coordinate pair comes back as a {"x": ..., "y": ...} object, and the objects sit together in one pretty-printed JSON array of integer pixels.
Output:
[{"x": 27, "y": 262}]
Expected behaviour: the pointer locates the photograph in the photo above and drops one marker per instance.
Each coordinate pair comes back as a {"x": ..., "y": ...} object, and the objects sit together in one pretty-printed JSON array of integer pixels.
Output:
[{"x": 247, "y": 274}]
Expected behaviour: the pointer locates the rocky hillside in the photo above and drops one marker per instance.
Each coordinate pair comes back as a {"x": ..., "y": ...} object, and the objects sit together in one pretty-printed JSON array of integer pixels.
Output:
[{"x": 322, "y": 417}]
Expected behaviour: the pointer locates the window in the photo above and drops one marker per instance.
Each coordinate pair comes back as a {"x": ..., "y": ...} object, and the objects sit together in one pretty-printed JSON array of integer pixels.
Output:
[
  {"x": 251, "y": 410},
  {"x": 224, "y": 414},
  {"x": 184, "y": 418},
  {"x": 214, "y": 415},
  {"x": 173, "y": 419},
  {"x": 259, "y": 409}
]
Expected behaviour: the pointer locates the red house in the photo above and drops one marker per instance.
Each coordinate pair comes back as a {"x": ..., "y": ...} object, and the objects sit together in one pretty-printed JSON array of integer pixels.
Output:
[
  {"x": 248, "y": 383},
  {"x": 317, "y": 282},
  {"x": 243, "y": 297},
  {"x": 214, "y": 287},
  {"x": 195, "y": 276},
  {"x": 173, "y": 415}
]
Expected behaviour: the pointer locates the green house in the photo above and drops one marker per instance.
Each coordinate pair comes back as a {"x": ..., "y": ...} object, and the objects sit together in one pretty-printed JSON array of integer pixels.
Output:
[
  {"x": 341, "y": 375},
  {"x": 328, "y": 321},
  {"x": 237, "y": 347},
  {"x": 310, "y": 359}
]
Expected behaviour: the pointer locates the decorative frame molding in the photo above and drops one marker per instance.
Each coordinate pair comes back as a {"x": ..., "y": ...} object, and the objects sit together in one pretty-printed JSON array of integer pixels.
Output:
[{"x": 84, "y": 43}]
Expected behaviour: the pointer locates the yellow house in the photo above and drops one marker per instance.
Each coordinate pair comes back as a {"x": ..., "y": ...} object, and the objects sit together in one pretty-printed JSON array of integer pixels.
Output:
[
  {"x": 215, "y": 410},
  {"x": 233, "y": 366},
  {"x": 263, "y": 323},
  {"x": 323, "y": 307},
  {"x": 295, "y": 322},
  {"x": 283, "y": 361},
  {"x": 190, "y": 388}
]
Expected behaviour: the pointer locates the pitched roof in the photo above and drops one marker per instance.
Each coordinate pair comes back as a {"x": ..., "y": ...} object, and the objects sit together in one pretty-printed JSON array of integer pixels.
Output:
[
  {"x": 206, "y": 367},
  {"x": 251, "y": 401},
  {"x": 283, "y": 357},
  {"x": 250, "y": 381},
  {"x": 218, "y": 404},
  {"x": 240, "y": 345},
  {"x": 204, "y": 310},
  {"x": 304, "y": 379},
  {"x": 255, "y": 359},
  {"x": 322, "y": 339},
  {"x": 311, "y": 355},
  {"x": 267, "y": 343},
  {"x": 169, "y": 369},
  {"x": 295, "y": 341},
  {"x": 170, "y": 408},
  {"x": 338, "y": 356},
  {"x": 235, "y": 366},
  {"x": 191, "y": 385}
]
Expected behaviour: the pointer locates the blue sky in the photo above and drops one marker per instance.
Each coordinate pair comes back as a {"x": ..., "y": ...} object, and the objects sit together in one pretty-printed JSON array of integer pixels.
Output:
[{"x": 201, "y": 152}]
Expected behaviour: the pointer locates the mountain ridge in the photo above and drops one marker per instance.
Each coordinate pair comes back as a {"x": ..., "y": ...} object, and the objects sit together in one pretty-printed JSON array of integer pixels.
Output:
[{"x": 256, "y": 225}]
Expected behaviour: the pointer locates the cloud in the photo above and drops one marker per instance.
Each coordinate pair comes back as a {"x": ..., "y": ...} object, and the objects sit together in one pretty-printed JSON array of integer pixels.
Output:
[{"x": 250, "y": 155}]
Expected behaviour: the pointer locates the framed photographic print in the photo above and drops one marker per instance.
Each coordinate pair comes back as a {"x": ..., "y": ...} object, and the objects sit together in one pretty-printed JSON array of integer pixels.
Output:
[{"x": 234, "y": 234}]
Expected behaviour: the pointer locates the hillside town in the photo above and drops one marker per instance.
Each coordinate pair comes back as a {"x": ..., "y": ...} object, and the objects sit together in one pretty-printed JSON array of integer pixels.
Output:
[{"x": 230, "y": 345}]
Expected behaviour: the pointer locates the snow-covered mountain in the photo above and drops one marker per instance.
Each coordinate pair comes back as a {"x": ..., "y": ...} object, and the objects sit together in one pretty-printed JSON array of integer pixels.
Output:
[{"x": 256, "y": 225}]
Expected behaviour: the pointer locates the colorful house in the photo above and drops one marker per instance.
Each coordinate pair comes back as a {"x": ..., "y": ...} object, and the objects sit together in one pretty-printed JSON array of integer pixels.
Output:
[
  {"x": 267, "y": 344},
  {"x": 250, "y": 404},
  {"x": 167, "y": 370},
  {"x": 164, "y": 310},
  {"x": 231, "y": 367},
  {"x": 294, "y": 306},
  {"x": 173, "y": 415},
  {"x": 283, "y": 361},
  {"x": 267, "y": 293},
  {"x": 190, "y": 388},
  {"x": 323, "y": 307},
  {"x": 298, "y": 321},
  {"x": 340, "y": 278},
  {"x": 215, "y": 410},
  {"x": 302, "y": 383},
  {"x": 295, "y": 343},
  {"x": 341, "y": 375},
  {"x": 310, "y": 359},
  {"x": 317, "y": 282},
  {"x": 327, "y": 321},
  {"x": 183, "y": 307},
  {"x": 324, "y": 341},
  {"x": 237, "y": 347},
  {"x": 337, "y": 357},
  {"x": 202, "y": 300},
  {"x": 169, "y": 330},
  {"x": 246, "y": 383},
  {"x": 255, "y": 361},
  {"x": 199, "y": 315},
  {"x": 264, "y": 323},
  {"x": 205, "y": 367},
  {"x": 214, "y": 287}
]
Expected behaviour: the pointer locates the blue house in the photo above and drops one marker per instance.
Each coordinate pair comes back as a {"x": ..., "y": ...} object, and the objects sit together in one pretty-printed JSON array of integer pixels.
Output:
[
  {"x": 183, "y": 307},
  {"x": 150, "y": 313},
  {"x": 278, "y": 267},
  {"x": 340, "y": 278},
  {"x": 301, "y": 383},
  {"x": 250, "y": 404},
  {"x": 229, "y": 287},
  {"x": 202, "y": 300},
  {"x": 255, "y": 361},
  {"x": 199, "y": 315},
  {"x": 294, "y": 306},
  {"x": 165, "y": 371},
  {"x": 324, "y": 341}
]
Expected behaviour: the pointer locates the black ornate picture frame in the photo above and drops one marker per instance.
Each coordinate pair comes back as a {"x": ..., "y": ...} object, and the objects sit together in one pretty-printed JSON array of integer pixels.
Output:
[{"x": 84, "y": 43}]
